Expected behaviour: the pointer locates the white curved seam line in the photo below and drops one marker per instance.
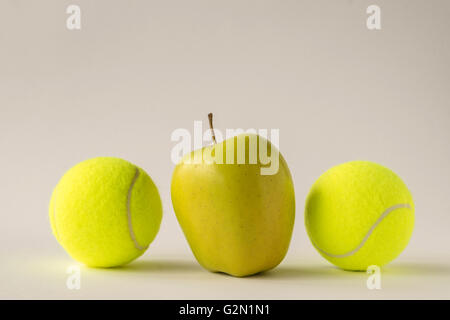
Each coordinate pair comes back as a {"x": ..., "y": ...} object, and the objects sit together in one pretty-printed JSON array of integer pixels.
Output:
[
  {"x": 130, "y": 225},
  {"x": 385, "y": 213}
]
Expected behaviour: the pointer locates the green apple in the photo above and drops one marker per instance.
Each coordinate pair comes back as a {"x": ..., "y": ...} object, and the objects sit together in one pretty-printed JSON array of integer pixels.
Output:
[{"x": 235, "y": 219}]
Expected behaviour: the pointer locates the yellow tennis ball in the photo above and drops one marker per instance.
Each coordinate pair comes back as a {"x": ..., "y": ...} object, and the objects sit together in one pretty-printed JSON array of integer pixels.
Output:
[
  {"x": 105, "y": 212},
  {"x": 359, "y": 214}
]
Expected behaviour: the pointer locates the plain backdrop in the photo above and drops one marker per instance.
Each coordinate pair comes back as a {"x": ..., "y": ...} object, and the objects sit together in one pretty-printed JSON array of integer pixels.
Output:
[{"x": 138, "y": 70}]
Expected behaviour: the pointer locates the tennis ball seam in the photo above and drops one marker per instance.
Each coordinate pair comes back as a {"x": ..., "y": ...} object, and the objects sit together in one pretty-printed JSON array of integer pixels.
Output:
[
  {"x": 366, "y": 237},
  {"x": 130, "y": 223}
]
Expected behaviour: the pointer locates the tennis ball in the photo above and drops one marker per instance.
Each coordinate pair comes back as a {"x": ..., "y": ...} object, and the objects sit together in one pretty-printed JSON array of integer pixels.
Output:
[
  {"x": 359, "y": 214},
  {"x": 105, "y": 212}
]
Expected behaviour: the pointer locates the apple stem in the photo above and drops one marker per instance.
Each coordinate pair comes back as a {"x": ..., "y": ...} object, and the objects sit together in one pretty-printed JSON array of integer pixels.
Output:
[{"x": 210, "y": 117}]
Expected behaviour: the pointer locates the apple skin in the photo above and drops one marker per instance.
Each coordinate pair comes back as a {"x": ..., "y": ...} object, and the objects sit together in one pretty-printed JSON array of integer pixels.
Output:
[{"x": 235, "y": 220}]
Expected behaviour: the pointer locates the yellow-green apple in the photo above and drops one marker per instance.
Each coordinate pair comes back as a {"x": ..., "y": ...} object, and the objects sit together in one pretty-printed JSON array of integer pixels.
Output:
[{"x": 236, "y": 219}]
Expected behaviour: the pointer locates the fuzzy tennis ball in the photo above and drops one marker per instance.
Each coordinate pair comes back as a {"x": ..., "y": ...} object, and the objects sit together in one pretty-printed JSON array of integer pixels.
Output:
[
  {"x": 359, "y": 214},
  {"x": 105, "y": 212}
]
